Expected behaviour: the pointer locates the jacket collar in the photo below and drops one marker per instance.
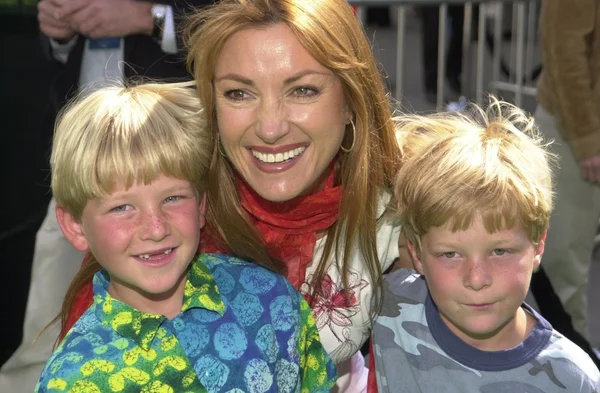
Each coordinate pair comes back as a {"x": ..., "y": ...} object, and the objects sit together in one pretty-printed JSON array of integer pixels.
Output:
[{"x": 201, "y": 291}]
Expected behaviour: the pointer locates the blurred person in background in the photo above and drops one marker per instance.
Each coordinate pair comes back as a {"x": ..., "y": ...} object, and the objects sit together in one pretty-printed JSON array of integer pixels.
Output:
[
  {"x": 27, "y": 125},
  {"x": 90, "y": 42},
  {"x": 430, "y": 16},
  {"x": 568, "y": 98}
]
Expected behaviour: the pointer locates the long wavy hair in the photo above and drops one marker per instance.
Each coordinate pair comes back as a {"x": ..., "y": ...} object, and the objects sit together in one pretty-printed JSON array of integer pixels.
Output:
[{"x": 333, "y": 35}]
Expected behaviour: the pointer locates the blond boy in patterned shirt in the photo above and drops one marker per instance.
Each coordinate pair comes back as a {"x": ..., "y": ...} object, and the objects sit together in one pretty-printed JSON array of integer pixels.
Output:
[{"x": 129, "y": 168}]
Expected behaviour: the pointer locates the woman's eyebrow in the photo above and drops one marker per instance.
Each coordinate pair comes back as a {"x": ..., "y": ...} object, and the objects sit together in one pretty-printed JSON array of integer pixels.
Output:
[{"x": 294, "y": 78}]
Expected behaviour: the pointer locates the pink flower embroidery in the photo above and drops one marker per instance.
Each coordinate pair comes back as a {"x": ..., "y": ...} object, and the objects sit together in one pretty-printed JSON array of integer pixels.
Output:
[{"x": 334, "y": 305}]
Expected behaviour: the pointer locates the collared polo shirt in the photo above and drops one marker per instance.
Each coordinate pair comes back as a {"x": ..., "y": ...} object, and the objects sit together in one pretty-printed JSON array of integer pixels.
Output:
[{"x": 242, "y": 328}]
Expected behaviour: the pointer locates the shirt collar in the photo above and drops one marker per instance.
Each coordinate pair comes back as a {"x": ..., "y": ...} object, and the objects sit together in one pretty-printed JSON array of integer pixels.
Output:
[{"x": 201, "y": 291}]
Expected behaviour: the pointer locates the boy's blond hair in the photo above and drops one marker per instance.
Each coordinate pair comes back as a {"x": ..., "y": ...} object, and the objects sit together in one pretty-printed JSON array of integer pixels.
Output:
[
  {"x": 490, "y": 162},
  {"x": 122, "y": 135}
]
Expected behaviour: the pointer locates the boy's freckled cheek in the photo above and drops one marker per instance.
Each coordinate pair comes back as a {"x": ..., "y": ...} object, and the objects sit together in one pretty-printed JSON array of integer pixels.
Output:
[{"x": 115, "y": 230}]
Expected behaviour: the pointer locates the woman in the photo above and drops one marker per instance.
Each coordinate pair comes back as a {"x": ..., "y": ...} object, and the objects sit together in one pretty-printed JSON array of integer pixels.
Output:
[{"x": 304, "y": 156}]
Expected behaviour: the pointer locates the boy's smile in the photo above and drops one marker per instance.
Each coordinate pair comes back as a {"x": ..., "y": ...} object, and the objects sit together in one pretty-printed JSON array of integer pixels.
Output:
[
  {"x": 145, "y": 237},
  {"x": 479, "y": 280},
  {"x": 156, "y": 257}
]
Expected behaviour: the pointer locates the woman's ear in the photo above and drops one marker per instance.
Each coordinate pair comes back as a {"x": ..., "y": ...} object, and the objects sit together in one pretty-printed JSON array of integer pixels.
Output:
[
  {"x": 71, "y": 228},
  {"x": 348, "y": 115}
]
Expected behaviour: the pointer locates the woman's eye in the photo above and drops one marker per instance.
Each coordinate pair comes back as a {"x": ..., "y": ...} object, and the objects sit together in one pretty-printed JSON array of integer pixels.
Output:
[
  {"x": 305, "y": 91},
  {"x": 236, "y": 95}
]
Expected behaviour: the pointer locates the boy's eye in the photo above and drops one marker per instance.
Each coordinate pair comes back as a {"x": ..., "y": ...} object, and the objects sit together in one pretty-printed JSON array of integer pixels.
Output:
[
  {"x": 173, "y": 198},
  {"x": 500, "y": 251},
  {"x": 449, "y": 254},
  {"x": 121, "y": 208}
]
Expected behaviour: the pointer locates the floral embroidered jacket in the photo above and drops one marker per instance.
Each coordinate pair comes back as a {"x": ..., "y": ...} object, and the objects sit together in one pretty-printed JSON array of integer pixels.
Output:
[
  {"x": 343, "y": 321},
  {"x": 242, "y": 328}
]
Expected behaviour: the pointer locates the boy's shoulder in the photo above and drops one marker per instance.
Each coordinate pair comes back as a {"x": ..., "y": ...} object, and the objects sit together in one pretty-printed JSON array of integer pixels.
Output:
[
  {"x": 399, "y": 279},
  {"x": 212, "y": 260},
  {"x": 87, "y": 333},
  {"x": 77, "y": 352},
  {"x": 227, "y": 270},
  {"x": 404, "y": 298},
  {"x": 403, "y": 286},
  {"x": 567, "y": 365}
]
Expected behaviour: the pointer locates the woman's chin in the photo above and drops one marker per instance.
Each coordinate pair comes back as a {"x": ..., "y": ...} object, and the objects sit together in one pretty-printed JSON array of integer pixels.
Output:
[{"x": 279, "y": 192}]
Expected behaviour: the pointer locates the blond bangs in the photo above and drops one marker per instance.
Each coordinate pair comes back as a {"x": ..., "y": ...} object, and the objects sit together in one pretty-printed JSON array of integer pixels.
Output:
[{"x": 121, "y": 136}]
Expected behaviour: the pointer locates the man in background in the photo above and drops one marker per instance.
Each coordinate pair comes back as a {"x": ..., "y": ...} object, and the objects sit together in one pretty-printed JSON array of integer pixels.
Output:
[
  {"x": 92, "y": 42},
  {"x": 568, "y": 101},
  {"x": 26, "y": 127}
]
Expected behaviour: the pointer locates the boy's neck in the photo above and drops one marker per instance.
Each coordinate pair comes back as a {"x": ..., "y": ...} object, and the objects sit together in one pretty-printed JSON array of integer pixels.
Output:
[{"x": 168, "y": 304}]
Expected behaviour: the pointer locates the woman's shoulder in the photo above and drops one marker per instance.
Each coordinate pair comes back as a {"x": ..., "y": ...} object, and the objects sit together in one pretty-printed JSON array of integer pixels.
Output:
[
  {"x": 387, "y": 236},
  {"x": 385, "y": 196}
]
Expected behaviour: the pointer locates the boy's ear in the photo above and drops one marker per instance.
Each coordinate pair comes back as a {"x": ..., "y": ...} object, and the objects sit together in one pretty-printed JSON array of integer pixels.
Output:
[
  {"x": 202, "y": 208},
  {"x": 539, "y": 251},
  {"x": 71, "y": 228},
  {"x": 415, "y": 256},
  {"x": 404, "y": 260}
]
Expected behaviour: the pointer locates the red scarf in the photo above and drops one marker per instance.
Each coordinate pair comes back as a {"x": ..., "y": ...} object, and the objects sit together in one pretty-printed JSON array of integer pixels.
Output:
[{"x": 289, "y": 229}]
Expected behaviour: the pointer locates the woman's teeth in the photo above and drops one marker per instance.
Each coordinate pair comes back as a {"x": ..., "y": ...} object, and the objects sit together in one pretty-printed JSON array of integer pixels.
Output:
[{"x": 278, "y": 157}]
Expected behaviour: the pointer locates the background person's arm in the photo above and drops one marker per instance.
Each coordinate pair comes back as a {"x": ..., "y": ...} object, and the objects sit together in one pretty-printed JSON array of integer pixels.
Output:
[{"x": 566, "y": 34}]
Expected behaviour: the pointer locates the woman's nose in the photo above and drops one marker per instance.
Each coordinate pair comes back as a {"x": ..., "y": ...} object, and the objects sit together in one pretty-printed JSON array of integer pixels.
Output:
[{"x": 272, "y": 123}]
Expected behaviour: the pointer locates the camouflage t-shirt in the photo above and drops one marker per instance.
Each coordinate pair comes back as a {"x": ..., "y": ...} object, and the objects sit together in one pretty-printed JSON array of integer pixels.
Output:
[
  {"x": 416, "y": 352},
  {"x": 242, "y": 328}
]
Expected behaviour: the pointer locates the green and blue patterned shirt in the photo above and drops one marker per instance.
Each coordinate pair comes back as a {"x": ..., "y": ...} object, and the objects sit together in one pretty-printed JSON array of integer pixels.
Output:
[{"x": 242, "y": 328}]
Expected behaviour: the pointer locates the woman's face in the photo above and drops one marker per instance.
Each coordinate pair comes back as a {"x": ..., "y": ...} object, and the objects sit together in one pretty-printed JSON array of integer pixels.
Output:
[{"x": 281, "y": 114}]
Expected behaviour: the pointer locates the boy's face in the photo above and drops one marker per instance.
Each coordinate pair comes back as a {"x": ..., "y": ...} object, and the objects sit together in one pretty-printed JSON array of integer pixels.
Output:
[
  {"x": 479, "y": 280},
  {"x": 145, "y": 237}
]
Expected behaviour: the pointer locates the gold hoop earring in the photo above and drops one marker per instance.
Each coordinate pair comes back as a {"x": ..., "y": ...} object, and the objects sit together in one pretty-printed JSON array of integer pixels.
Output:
[
  {"x": 348, "y": 150},
  {"x": 219, "y": 146}
]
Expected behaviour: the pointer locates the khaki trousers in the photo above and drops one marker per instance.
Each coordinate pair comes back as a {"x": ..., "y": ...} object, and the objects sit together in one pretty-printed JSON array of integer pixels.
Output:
[{"x": 55, "y": 263}]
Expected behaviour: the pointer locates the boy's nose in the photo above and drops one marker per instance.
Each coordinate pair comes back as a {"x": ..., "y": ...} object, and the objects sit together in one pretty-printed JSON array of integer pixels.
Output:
[
  {"x": 155, "y": 227},
  {"x": 477, "y": 275}
]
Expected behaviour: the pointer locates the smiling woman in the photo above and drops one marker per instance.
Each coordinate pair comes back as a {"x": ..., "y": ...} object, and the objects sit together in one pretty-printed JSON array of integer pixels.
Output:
[{"x": 304, "y": 155}]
